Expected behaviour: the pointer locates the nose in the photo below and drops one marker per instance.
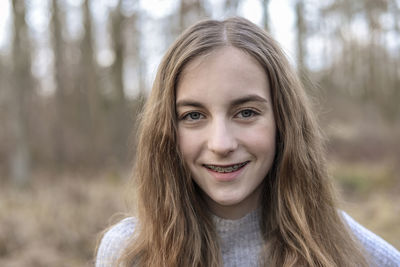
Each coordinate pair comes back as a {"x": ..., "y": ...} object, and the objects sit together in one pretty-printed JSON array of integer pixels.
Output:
[{"x": 221, "y": 138}]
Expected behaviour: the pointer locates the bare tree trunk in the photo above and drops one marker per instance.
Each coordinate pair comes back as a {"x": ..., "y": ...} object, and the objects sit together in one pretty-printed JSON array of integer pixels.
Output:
[
  {"x": 190, "y": 11},
  {"x": 22, "y": 84},
  {"x": 120, "y": 122},
  {"x": 141, "y": 62},
  {"x": 89, "y": 87},
  {"x": 301, "y": 36},
  {"x": 118, "y": 46},
  {"x": 89, "y": 73},
  {"x": 396, "y": 78},
  {"x": 265, "y": 4},
  {"x": 59, "y": 73},
  {"x": 231, "y": 6}
]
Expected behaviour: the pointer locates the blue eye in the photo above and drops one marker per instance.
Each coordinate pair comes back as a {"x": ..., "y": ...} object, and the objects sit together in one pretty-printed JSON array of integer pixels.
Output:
[
  {"x": 246, "y": 113},
  {"x": 192, "y": 116}
]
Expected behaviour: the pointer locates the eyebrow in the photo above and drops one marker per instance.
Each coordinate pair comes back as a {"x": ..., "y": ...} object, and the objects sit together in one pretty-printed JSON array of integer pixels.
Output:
[
  {"x": 190, "y": 103},
  {"x": 249, "y": 98},
  {"x": 236, "y": 102}
]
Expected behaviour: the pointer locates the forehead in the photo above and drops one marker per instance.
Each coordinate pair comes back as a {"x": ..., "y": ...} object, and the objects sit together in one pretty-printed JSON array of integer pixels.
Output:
[
  {"x": 224, "y": 72},
  {"x": 218, "y": 57}
]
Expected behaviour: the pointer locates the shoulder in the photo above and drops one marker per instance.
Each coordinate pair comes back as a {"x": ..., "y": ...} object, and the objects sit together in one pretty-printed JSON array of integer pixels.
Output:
[
  {"x": 114, "y": 241},
  {"x": 381, "y": 253}
]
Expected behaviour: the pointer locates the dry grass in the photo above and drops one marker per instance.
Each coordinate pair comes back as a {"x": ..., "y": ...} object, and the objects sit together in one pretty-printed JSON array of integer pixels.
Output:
[
  {"x": 56, "y": 221},
  {"x": 370, "y": 193}
]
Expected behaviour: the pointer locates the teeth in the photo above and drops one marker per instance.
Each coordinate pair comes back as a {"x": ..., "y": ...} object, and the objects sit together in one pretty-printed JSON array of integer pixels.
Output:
[{"x": 226, "y": 169}]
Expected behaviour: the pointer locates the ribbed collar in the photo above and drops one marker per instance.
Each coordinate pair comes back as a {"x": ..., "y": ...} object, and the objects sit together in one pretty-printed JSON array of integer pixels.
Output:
[
  {"x": 249, "y": 221},
  {"x": 240, "y": 240}
]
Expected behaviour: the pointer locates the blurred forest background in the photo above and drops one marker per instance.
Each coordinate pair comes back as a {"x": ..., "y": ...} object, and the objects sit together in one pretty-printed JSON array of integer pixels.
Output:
[{"x": 74, "y": 75}]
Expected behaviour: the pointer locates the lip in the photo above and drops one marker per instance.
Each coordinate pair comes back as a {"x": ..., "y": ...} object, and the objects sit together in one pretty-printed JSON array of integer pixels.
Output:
[{"x": 226, "y": 176}]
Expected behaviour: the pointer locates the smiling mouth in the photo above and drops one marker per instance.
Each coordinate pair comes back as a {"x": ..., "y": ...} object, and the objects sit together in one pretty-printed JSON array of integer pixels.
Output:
[{"x": 226, "y": 169}]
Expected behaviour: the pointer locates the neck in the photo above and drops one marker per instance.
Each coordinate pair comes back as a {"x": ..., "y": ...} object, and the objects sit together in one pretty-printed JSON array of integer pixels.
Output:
[
  {"x": 236, "y": 211},
  {"x": 232, "y": 213}
]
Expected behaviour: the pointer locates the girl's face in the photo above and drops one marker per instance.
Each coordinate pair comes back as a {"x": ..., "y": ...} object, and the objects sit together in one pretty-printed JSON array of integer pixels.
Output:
[{"x": 226, "y": 129}]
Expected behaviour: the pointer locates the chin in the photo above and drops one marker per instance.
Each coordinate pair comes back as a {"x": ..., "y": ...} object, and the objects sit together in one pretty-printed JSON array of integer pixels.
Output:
[{"x": 227, "y": 201}]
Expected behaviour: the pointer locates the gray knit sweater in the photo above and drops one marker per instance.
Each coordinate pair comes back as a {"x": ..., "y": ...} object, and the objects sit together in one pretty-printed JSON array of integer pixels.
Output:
[{"x": 241, "y": 242}]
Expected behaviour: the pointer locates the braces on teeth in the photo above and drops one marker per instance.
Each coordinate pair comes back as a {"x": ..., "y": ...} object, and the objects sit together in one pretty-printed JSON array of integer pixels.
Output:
[{"x": 226, "y": 169}]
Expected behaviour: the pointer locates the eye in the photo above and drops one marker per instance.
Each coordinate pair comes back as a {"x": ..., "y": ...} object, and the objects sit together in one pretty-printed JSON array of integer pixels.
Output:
[
  {"x": 192, "y": 116},
  {"x": 246, "y": 113}
]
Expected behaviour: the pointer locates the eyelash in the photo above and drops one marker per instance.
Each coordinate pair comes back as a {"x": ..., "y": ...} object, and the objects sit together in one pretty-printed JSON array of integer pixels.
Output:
[
  {"x": 188, "y": 116},
  {"x": 253, "y": 113}
]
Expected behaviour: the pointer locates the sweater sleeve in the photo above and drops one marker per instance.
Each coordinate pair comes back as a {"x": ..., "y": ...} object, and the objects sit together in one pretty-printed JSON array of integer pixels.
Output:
[
  {"x": 380, "y": 252},
  {"x": 114, "y": 241}
]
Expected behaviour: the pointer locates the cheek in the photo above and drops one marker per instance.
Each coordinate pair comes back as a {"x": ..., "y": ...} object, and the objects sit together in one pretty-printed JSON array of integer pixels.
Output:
[
  {"x": 260, "y": 139},
  {"x": 186, "y": 144}
]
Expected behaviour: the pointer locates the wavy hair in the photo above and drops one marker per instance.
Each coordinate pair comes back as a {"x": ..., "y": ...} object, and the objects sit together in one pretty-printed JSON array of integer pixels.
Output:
[{"x": 300, "y": 222}]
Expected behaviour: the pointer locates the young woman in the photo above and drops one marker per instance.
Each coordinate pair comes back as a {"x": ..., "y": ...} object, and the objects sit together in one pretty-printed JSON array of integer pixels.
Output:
[{"x": 230, "y": 169}]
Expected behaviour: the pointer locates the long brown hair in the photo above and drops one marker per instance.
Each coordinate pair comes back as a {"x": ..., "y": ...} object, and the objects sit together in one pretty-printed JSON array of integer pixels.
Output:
[{"x": 300, "y": 222}]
